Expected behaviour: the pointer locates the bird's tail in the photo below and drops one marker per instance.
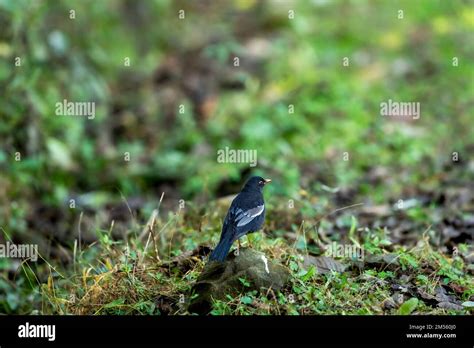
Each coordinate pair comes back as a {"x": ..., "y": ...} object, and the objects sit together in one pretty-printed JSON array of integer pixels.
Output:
[{"x": 222, "y": 248}]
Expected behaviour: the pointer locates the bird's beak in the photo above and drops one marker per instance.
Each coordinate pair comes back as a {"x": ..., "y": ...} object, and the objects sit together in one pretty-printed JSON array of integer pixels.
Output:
[{"x": 267, "y": 181}]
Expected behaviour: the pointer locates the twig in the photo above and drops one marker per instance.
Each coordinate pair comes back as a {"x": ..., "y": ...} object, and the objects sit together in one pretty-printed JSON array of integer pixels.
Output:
[
  {"x": 335, "y": 211},
  {"x": 150, "y": 222}
]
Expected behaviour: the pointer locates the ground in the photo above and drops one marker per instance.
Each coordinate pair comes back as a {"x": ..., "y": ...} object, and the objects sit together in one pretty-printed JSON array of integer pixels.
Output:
[{"x": 125, "y": 206}]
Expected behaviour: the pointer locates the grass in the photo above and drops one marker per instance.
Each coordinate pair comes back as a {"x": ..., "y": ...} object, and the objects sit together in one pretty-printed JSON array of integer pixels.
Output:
[
  {"x": 336, "y": 111},
  {"x": 117, "y": 277}
]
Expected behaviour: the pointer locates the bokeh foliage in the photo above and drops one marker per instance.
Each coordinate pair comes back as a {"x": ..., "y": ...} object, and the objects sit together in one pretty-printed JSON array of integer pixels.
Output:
[{"x": 283, "y": 62}]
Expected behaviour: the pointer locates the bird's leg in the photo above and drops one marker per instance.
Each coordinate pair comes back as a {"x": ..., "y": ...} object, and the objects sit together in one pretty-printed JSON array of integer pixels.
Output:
[{"x": 238, "y": 246}]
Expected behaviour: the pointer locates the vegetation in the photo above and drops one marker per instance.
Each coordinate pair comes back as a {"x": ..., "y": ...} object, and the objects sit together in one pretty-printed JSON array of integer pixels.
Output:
[{"x": 124, "y": 206}]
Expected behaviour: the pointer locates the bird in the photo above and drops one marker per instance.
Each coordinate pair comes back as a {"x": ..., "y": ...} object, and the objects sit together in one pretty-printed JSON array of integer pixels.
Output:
[{"x": 245, "y": 215}]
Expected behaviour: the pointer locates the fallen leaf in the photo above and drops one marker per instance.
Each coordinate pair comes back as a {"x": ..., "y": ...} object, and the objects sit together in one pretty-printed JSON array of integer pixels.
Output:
[
  {"x": 450, "y": 305},
  {"x": 323, "y": 264},
  {"x": 469, "y": 304},
  {"x": 457, "y": 288},
  {"x": 442, "y": 296},
  {"x": 376, "y": 210},
  {"x": 381, "y": 261}
]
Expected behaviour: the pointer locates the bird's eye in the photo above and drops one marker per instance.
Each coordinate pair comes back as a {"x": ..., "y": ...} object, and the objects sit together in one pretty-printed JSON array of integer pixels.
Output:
[{"x": 260, "y": 182}]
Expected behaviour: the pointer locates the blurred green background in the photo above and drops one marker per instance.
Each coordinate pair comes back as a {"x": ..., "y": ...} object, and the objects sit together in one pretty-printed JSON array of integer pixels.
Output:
[{"x": 190, "y": 63}]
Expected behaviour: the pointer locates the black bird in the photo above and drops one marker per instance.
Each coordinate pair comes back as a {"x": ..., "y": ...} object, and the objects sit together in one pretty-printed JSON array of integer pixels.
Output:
[{"x": 246, "y": 214}]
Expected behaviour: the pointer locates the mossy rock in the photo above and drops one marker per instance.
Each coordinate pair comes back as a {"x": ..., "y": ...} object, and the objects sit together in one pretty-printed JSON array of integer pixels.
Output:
[{"x": 219, "y": 279}]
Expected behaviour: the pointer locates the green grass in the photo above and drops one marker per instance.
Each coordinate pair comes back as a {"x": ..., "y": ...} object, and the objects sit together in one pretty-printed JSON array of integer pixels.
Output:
[
  {"x": 336, "y": 110},
  {"x": 118, "y": 278}
]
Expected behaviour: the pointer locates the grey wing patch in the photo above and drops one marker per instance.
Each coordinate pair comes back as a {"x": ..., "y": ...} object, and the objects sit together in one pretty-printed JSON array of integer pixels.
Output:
[{"x": 244, "y": 217}]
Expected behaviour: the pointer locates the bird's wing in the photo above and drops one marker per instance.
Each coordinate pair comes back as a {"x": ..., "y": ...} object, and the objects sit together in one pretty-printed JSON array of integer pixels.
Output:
[{"x": 244, "y": 217}]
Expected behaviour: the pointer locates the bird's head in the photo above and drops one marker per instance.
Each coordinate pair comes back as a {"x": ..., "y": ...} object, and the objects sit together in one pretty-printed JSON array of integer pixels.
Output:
[{"x": 256, "y": 183}]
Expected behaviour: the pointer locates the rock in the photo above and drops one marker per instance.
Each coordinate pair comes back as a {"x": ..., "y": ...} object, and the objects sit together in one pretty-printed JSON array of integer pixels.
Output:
[{"x": 220, "y": 279}]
